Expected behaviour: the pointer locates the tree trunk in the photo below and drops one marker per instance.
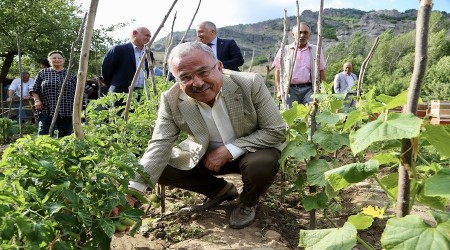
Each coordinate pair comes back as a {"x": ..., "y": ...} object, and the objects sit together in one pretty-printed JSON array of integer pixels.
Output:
[{"x": 420, "y": 62}]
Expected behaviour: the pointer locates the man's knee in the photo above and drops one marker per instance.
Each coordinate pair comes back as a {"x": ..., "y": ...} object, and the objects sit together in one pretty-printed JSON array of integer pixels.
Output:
[{"x": 263, "y": 164}]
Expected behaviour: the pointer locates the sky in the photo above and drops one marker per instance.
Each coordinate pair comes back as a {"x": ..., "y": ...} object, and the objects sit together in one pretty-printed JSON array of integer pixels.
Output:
[{"x": 150, "y": 13}]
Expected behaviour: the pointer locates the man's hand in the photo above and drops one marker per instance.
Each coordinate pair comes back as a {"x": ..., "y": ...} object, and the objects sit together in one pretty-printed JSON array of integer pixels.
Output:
[
  {"x": 279, "y": 95},
  {"x": 39, "y": 105},
  {"x": 132, "y": 201},
  {"x": 215, "y": 159}
]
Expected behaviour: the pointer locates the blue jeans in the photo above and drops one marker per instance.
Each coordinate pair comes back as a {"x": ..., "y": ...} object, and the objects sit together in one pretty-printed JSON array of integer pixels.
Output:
[
  {"x": 63, "y": 125},
  {"x": 23, "y": 113},
  {"x": 301, "y": 94}
]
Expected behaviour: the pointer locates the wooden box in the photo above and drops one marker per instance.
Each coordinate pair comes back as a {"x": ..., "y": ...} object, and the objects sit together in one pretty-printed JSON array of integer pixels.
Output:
[
  {"x": 440, "y": 120},
  {"x": 440, "y": 108}
]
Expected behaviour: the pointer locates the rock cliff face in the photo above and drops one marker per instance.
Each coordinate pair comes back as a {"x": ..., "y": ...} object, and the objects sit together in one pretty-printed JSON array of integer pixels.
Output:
[{"x": 338, "y": 26}]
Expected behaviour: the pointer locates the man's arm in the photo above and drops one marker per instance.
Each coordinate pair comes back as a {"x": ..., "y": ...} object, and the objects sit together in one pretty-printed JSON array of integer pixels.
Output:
[
  {"x": 336, "y": 84},
  {"x": 165, "y": 134},
  {"x": 270, "y": 127},
  {"x": 236, "y": 59},
  {"x": 322, "y": 75},
  {"x": 108, "y": 66},
  {"x": 277, "y": 83}
]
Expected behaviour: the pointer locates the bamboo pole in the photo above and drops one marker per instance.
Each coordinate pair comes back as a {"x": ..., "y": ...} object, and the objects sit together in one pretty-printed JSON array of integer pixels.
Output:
[
  {"x": 82, "y": 70},
  {"x": 141, "y": 62},
  {"x": 69, "y": 68},
  {"x": 407, "y": 162}
]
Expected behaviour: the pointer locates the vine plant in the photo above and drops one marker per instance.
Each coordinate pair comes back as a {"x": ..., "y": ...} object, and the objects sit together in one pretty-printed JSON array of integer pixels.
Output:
[{"x": 371, "y": 124}]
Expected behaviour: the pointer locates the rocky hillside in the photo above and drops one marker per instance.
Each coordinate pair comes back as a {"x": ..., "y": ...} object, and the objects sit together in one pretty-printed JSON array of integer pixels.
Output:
[{"x": 338, "y": 25}]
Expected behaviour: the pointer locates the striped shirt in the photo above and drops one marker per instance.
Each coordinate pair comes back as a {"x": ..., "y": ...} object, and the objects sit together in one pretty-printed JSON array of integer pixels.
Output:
[{"x": 48, "y": 86}]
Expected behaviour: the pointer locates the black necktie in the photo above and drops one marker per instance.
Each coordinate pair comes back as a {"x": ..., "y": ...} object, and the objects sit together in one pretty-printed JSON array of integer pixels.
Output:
[{"x": 210, "y": 44}]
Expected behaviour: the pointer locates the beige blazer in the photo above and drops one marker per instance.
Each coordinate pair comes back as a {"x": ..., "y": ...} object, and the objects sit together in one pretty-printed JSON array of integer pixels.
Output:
[{"x": 254, "y": 116}]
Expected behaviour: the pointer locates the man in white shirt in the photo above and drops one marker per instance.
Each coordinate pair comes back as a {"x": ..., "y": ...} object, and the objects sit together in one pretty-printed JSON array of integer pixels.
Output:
[
  {"x": 233, "y": 125},
  {"x": 344, "y": 81},
  {"x": 20, "y": 87}
]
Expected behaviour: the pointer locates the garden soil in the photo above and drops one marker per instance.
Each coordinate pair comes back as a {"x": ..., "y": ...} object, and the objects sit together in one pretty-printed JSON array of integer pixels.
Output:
[{"x": 279, "y": 220}]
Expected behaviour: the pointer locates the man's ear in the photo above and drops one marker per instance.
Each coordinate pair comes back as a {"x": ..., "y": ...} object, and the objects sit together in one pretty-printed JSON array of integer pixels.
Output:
[{"x": 220, "y": 66}]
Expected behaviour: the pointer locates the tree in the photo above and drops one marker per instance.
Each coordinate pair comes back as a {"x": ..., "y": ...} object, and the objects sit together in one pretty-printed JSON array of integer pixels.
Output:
[{"x": 40, "y": 25}]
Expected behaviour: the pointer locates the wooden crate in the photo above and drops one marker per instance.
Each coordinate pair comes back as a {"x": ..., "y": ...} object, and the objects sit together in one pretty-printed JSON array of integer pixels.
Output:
[
  {"x": 440, "y": 120},
  {"x": 422, "y": 110},
  {"x": 440, "y": 108}
]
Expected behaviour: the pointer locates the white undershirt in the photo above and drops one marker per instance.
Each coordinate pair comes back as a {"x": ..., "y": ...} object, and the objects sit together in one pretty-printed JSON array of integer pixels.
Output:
[{"x": 219, "y": 126}]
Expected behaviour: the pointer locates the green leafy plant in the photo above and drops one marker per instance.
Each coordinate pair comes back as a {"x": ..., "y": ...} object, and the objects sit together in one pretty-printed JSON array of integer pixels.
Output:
[{"x": 370, "y": 124}]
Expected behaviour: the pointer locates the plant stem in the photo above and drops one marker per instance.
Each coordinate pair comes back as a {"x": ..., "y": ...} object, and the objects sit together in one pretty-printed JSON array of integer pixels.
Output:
[
  {"x": 423, "y": 159},
  {"x": 365, "y": 244},
  {"x": 361, "y": 241},
  {"x": 384, "y": 188}
]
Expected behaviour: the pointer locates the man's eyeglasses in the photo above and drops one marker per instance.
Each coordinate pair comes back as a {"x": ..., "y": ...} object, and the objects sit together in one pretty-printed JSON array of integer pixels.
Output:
[{"x": 202, "y": 73}]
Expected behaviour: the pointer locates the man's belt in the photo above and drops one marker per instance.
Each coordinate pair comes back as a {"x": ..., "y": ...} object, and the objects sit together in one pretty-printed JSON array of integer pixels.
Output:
[{"x": 300, "y": 85}]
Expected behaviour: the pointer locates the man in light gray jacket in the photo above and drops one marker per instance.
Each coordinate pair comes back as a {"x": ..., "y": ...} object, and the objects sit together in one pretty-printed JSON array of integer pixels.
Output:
[
  {"x": 344, "y": 81},
  {"x": 233, "y": 125}
]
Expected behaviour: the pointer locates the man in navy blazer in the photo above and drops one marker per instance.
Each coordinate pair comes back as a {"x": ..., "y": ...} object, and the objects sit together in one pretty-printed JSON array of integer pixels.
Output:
[
  {"x": 120, "y": 63},
  {"x": 226, "y": 50}
]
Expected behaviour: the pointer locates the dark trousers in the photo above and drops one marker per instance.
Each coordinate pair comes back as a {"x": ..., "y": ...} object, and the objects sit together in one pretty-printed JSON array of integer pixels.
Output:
[
  {"x": 63, "y": 125},
  {"x": 258, "y": 170},
  {"x": 301, "y": 94}
]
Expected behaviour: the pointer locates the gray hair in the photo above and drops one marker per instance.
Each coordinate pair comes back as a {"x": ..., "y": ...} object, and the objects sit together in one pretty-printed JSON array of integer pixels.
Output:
[
  {"x": 295, "y": 28},
  {"x": 184, "y": 49},
  {"x": 209, "y": 25}
]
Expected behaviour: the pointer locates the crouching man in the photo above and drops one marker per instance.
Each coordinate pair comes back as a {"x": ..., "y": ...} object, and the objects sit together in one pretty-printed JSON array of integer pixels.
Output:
[{"x": 233, "y": 125}]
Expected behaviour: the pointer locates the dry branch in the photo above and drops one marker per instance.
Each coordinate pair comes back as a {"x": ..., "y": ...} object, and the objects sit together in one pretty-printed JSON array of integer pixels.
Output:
[
  {"x": 82, "y": 69},
  {"x": 364, "y": 65},
  {"x": 192, "y": 20},
  {"x": 141, "y": 62}
]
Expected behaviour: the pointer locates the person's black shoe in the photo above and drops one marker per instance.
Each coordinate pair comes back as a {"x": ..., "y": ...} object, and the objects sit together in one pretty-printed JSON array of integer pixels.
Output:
[
  {"x": 228, "y": 193},
  {"x": 242, "y": 216}
]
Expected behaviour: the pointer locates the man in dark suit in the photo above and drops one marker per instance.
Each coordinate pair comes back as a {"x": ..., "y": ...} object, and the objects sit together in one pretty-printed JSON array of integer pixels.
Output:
[
  {"x": 121, "y": 61},
  {"x": 226, "y": 50}
]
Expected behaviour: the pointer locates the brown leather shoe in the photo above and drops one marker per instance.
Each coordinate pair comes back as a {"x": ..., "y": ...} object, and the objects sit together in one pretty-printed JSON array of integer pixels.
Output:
[
  {"x": 229, "y": 193},
  {"x": 242, "y": 216}
]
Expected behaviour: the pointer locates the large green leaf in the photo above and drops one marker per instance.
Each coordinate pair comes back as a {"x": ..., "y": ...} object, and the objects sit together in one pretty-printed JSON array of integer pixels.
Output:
[
  {"x": 439, "y": 184},
  {"x": 300, "y": 152},
  {"x": 439, "y": 137},
  {"x": 344, "y": 176},
  {"x": 317, "y": 201},
  {"x": 354, "y": 117},
  {"x": 385, "y": 158},
  {"x": 330, "y": 141},
  {"x": 298, "y": 111},
  {"x": 315, "y": 171},
  {"x": 397, "y": 126},
  {"x": 392, "y": 102},
  {"x": 334, "y": 238},
  {"x": 412, "y": 233},
  {"x": 327, "y": 118}
]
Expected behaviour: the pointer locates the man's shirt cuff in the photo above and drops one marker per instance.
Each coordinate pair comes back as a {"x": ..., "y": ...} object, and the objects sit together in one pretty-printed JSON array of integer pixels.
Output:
[
  {"x": 236, "y": 152},
  {"x": 138, "y": 186}
]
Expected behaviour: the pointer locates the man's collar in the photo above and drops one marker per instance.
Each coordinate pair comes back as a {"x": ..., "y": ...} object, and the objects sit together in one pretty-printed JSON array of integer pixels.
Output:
[
  {"x": 292, "y": 46},
  {"x": 214, "y": 41},
  {"x": 134, "y": 46}
]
